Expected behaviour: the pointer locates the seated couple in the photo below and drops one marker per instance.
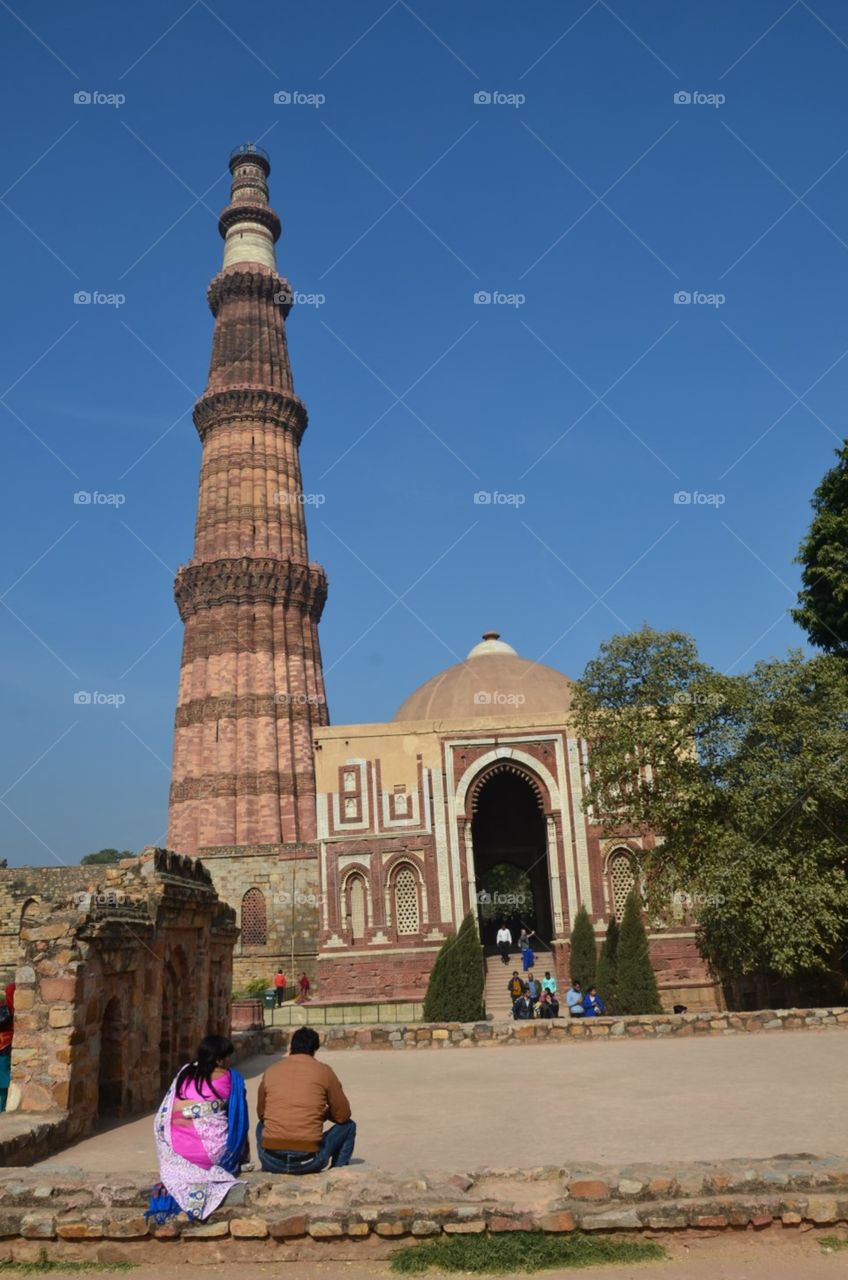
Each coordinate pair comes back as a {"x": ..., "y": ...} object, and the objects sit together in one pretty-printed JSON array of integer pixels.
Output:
[{"x": 202, "y": 1127}]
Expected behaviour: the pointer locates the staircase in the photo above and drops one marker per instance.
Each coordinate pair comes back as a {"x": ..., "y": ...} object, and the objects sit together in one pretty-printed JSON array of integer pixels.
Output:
[{"x": 495, "y": 994}]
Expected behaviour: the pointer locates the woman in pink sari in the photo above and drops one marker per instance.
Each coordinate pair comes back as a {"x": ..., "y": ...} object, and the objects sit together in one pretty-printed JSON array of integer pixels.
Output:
[{"x": 201, "y": 1132}]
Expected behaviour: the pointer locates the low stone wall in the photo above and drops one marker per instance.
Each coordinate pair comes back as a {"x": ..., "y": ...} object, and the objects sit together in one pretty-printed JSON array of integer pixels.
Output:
[
  {"x": 358, "y": 1213},
  {"x": 467, "y": 1035}
]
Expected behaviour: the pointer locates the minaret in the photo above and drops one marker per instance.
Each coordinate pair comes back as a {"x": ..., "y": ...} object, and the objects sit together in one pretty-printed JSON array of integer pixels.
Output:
[{"x": 251, "y": 682}]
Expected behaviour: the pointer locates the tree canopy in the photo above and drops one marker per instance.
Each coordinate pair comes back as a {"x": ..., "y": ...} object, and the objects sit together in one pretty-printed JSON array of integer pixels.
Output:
[
  {"x": 744, "y": 778},
  {"x": 106, "y": 856},
  {"x": 823, "y": 599}
]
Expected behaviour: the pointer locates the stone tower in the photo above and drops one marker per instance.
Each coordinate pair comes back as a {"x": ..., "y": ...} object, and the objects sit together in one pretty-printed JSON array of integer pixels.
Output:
[{"x": 251, "y": 683}]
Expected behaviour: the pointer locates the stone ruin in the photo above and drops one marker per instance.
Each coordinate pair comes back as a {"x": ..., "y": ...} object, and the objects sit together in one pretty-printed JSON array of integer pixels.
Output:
[{"x": 117, "y": 982}]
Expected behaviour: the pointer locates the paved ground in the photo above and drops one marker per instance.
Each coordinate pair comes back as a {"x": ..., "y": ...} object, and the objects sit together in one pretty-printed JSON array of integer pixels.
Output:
[
  {"x": 754, "y": 1096},
  {"x": 739, "y": 1258}
]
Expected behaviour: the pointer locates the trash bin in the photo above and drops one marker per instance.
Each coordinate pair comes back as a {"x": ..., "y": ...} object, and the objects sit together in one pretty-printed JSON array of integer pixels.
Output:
[{"x": 269, "y": 998}]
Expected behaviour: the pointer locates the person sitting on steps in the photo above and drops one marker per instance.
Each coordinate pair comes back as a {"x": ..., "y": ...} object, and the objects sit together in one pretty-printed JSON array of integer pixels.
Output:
[{"x": 296, "y": 1096}]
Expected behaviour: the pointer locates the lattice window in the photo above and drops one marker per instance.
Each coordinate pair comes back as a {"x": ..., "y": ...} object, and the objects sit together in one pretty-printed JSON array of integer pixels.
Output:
[
  {"x": 406, "y": 901},
  {"x": 623, "y": 880},
  {"x": 356, "y": 898},
  {"x": 254, "y": 919}
]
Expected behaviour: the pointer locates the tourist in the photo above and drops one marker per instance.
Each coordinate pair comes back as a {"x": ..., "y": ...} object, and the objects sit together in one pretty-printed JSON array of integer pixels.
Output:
[
  {"x": 202, "y": 1135},
  {"x": 522, "y": 1007},
  {"x": 515, "y": 986},
  {"x": 574, "y": 1000},
  {"x": 7, "y": 1027},
  {"x": 534, "y": 988},
  {"x": 549, "y": 983},
  {"x": 526, "y": 948},
  {"x": 280, "y": 986},
  {"x": 303, "y": 989},
  {"x": 296, "y": 1096},
  {"x": 548, "y": 1006},
  {"x": 504, "y": 942},
  {"x": 593, "y": 1005}
]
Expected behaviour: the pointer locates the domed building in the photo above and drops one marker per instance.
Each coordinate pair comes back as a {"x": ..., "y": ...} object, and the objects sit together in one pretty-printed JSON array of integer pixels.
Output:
[{"x": 469, "y": 799}]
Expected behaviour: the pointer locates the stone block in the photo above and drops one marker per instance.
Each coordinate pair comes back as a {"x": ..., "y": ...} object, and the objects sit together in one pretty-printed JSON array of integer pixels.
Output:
[
  {"x": 206, "y": 1231},
  {"x": 325, "y": 1230},
  {"x": 589, "y": 1189},
  {"x": 248, "y": 1228},
  {"x": 289, "y": 1228},
  {"x": 557, "y": 1222},
  {"x": 473, "y": 1228},
  {"x": 612, "y": 1220},
  {"x": 358, "y": 1230},
  {"x": 821, "y": 1210},
  {"x": 38, "y": 1226},
  {"x": 425, "y": 1227},
  {"x": 80, "y": 1230},
  {"x": 126, "y": 1228},
  {"x": 629, "y": 1187}
]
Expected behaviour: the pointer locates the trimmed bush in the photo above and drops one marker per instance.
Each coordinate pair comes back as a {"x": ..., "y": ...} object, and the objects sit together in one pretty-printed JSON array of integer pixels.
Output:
[
  {"x": 583, "y": 960},
  {"x": 606, "y": 977},
  {"x": 455, "y": 989},
  {"x": 637, "y": 984}
]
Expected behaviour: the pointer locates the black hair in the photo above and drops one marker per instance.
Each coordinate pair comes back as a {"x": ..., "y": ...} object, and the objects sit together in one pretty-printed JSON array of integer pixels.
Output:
[
  {"x": 210, "y": 1051},
  {"x": 304, "y": 1040}
]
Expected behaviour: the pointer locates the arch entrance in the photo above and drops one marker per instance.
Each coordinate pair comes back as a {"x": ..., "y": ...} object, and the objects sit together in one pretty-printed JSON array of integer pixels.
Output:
[{"x": 509, "y": 837}]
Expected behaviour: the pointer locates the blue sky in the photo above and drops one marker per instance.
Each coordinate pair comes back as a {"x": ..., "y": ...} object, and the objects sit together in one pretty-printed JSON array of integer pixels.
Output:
[{"x": 585, "y": 395}]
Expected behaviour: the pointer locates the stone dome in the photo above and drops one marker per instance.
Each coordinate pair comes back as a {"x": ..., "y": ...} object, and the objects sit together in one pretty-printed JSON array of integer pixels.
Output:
[{"x": 492, "y": 681}]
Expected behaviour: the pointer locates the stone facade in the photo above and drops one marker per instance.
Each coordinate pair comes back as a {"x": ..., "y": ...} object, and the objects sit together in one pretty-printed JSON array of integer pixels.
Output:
[
  {"x": 116, "y": 985},
  {"x": 404, "y": 797}
]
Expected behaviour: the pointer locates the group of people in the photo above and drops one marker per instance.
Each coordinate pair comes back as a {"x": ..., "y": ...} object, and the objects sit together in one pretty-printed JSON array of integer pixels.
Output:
[
  {"x": 303, "y": 988},
  {"x": 202, "y": 1128},
  {"x": 534, "y": 999}
]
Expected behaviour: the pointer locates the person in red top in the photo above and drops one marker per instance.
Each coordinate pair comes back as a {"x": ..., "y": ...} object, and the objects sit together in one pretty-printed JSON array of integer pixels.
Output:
[
  {"x": 280, "y": 986},
  {"x": 7, "y": 1024},
  {"x": 303, "y": 985}
]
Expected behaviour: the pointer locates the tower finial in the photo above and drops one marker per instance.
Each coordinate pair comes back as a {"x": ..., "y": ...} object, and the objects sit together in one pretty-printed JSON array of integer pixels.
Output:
[{"x": 249, "y": 225}]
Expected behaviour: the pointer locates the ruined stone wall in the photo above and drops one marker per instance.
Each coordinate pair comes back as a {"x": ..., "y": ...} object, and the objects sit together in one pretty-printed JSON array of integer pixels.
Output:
[
  {"x": 287, "y": 877},
  {"x": 116, "y": 988},
  {"x": 20, "y": 884}
]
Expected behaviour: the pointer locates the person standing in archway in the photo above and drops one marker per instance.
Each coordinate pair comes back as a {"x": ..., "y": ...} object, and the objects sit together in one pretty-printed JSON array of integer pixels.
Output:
[
  {"x": 504, "y": 942},
  {"x": 525, "y": 946}
]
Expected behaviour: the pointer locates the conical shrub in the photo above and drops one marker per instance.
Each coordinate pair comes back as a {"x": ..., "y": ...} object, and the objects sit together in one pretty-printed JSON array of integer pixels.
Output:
[
  {"x": 583, "y": 961},
  {"x": 455, "y": 989},
  {"x": 636, "y": 989},
  {"x": 606, "y": 977}
]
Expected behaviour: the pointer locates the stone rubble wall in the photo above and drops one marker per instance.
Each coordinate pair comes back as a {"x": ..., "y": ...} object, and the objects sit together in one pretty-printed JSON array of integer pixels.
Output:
[
  {"x": 480, "y": 1035},
  {"x": 356, "y": 1213}
]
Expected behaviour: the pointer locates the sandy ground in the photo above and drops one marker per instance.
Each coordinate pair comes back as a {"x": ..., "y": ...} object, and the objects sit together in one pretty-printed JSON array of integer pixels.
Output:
[
  {"x": 746, "y": 1257},
  {"x": 754, "y": 1096}
]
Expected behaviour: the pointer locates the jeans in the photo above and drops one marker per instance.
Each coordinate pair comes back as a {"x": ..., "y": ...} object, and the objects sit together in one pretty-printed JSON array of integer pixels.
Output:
[{"x": 335, "y": 1150}]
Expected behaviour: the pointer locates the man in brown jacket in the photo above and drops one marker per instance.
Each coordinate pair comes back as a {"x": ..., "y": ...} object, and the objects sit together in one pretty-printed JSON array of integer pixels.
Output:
[{"x": 296, "y": 1096}]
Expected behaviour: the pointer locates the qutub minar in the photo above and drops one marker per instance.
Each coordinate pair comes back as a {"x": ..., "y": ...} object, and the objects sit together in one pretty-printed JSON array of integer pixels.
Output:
[{"x": 352, "y": 852}]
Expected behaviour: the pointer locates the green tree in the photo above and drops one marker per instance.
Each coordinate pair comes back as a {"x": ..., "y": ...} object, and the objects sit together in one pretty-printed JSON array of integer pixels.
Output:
[
  {"x": 606, "y": 978},
  {"x": 106, "y": 856},
  {"x": 455, "y": 989},
  {"x": 583, "y": 957},
  {"x": 823, "y": 599},
  {"x": 636, "y": 988},
  {"x": 745, "y": 778}
]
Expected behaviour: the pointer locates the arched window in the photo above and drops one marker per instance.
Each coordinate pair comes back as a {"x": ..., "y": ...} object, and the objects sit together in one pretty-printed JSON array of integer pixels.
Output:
[
  {"x": 622, "y": 880},
  {"x": 356, "y": 907},
  {"x": 254, "y": 919},
  {"x": 406, "y": 901}
]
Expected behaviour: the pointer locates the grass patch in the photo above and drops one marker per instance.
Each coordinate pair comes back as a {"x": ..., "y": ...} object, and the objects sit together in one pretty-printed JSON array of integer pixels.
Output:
[
  {"x": 833, "y": 1244},
  {"x": 515, "y": 1252},
  {"x": 45, "y": 1265}
]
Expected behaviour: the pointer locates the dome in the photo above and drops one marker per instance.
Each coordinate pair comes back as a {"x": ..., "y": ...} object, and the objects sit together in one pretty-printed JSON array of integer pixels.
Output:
[{"x": 492, "y": 681}]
